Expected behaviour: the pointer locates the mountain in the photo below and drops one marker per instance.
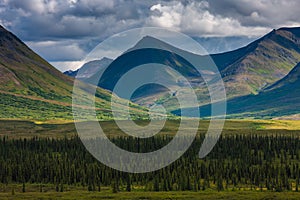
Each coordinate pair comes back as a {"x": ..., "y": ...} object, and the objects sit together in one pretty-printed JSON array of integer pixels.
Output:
[
  {"x": 292, "y": 79},
  {"x": 262, "y": 79},
  {"x": 260, "y": 64},
  {"x": 282, "y": 99},
  {"x": 24, "y": 72},
  {"x": 71, "y": 73},
  {"x": 245, "y": 71},
  {"x": 90, "y": 68},
  {"x": 30, "y": 88},
  {"x": 214, "y": 45},
  {"x": 149, "y": 94}
]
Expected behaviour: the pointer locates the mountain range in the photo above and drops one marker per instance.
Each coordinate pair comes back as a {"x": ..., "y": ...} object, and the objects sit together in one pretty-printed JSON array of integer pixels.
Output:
[
  {"x": 261, "y": 79},
  {"x": 252, "y": 75}
]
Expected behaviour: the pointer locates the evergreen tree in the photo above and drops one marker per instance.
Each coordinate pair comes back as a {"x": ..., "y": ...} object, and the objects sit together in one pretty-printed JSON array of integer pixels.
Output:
[
  {"x": 220, "y": 186},
  {"x": 128, "y": 184},
  {"x": 23, "y": 187},
  {"x": 156, "y": 184}
]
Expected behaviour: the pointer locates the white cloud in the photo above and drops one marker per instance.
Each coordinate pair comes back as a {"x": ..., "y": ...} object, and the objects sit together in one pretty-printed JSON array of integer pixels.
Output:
[
  {"x": 169, "y": 16},
  {"x": 196, "y": 19},
  {"x": 67, "y": 65},
  {"x": 58, "y": 50}
]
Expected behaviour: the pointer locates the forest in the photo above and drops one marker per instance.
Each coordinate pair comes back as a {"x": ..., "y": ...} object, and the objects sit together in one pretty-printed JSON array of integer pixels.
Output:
[{"x": 238, "y": 162}]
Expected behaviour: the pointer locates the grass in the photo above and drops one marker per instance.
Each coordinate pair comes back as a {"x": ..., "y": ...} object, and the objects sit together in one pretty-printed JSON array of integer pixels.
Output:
[
  {"x": 34, "y": 191},
  {"x": 281, "y": 124},
  {"x": 106, "y": 193},
  {"x": 31, "y": 108},
  {"x": 58, "y": 128}
]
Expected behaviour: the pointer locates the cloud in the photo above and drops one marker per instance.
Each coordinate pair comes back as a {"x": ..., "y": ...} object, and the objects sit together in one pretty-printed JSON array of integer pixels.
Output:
[
  {"x": 80, "y": 24},
  {"x": 58, "y": 50},
  {"x": 266, "y": 13},
  {"x": 67, "y": 65},
  {"x": 55, "y": 27},
  {"x": 196, "y": 19},
  {"x": 52, "y": 19},
  {"x": 166, "y": 16}
]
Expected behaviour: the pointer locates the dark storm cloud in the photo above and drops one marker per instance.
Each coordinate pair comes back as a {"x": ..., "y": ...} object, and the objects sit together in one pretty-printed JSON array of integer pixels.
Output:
[
  {"x": 268, "y": 13},
  {"x": 54, "y": 19},
  {"x": 70, "y": 19},
  {"x": 78, "y": 25}
]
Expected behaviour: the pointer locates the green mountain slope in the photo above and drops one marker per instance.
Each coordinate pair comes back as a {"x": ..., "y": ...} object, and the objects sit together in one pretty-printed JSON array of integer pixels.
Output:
[
  {"x": 261, "y": 63},
  {"x": 30, "y": 88},
  {"x": 280, "y": 99},
  {"x": 25, "y": 72},
  {"x": 289, "y": 80}
]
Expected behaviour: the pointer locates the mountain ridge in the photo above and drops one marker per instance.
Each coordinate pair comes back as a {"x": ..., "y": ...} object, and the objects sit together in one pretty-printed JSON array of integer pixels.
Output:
[
  {"x": 260, "y": 78},
  {"x": 281, "y": 100},
  {"x": 31, "y": 88},
  {"x": 247, "y": 70}
]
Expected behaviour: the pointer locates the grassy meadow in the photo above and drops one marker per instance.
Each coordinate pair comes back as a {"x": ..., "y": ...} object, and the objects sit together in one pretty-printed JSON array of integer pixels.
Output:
[{"x": 57, "y": 128}]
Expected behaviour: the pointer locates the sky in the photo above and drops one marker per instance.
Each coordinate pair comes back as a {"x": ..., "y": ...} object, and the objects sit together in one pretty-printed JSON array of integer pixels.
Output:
[{"x": 64, "y": 31}]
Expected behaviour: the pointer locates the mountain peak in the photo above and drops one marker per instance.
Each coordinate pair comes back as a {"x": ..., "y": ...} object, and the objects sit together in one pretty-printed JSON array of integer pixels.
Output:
[
  {"x": 291, "y": 29},
  {"x": 106, "y": 59},
  {"x": 148, "y": 37},
  {"x": 154, "y": 43},
  {"x": 2, "y": 29},
  {"x": 149, "y": 42},
  {"x": 286, "y": 32}
]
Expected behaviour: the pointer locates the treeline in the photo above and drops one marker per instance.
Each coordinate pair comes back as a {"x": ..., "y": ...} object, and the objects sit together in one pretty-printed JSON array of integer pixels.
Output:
[{"x": 252, "y": 162}]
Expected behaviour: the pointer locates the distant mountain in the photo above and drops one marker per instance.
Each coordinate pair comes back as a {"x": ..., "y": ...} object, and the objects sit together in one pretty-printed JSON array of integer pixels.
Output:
[
  {"x": 255, "y": 72},
  {"x": 215, "y": 45},
  {"x": 71, "y": 73},
  {"x": 247, "y": 70},
  {"x": 30, "y": 88},
  {"x": 148, "y": 94},
  {"x": 90, "y": 68}
]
